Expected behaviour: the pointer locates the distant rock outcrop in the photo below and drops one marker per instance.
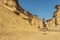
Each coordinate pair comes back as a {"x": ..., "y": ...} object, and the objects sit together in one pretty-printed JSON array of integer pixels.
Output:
[{"x": 55, "y": 21}]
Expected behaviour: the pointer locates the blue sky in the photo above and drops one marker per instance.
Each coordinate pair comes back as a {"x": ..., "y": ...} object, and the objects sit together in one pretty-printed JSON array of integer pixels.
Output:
[{"x": 42, "y": 8}]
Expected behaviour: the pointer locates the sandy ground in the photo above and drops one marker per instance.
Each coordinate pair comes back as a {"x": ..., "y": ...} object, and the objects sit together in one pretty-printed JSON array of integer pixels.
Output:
[
  {"x": 40, "y": 36},
  {"x": 32, "y": 36}
]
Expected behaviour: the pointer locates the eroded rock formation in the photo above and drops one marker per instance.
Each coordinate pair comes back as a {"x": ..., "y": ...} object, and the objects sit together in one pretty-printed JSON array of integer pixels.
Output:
[
  {"x": 55, "y": 21},
  {"x": 11, "y": 25},
  {"x": 12, "y": 4},
  {"x": 57, "y": 15}
]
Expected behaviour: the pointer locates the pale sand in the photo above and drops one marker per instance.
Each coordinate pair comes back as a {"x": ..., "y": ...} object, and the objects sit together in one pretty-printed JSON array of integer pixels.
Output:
[{"x": 31, "y": 36}]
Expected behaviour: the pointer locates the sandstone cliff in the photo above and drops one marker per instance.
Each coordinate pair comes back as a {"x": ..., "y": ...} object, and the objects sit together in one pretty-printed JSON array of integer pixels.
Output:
[
  {"x": 54, "y": 22},
  {"x": 14, "y": 20}
]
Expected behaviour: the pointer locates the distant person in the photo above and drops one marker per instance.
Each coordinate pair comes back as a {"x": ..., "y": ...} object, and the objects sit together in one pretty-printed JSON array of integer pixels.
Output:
[{"x": 44, "y": 25}]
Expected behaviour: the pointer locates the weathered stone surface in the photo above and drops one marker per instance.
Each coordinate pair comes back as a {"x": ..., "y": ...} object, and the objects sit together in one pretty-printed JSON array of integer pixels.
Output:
[
  {"x": 55, "y": 21},
  {"x": 14, "y": 21},
  {"x": 12, "y": 4},
  {"x": 57, "y": 15}
]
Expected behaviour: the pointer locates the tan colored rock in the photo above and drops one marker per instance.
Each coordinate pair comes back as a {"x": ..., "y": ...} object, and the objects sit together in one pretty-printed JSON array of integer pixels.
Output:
[
  {"x": 38, "y": 22},
  {"x": 12, "y": 25},
  {"x": 13, "y": 5},
  {"x": 10, "y": 3},
  {"x": 57, "y": 15},
  {"x": 50, "y": 23},
  {"x": 55, "y": 21}
]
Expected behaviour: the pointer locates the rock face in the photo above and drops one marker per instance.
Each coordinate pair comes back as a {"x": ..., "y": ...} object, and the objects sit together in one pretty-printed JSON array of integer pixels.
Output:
[
  {"x": 55, "y": 21},
  {"x": 14, "y": 20},
  {"x": 12, "y": 4},
  {"x": 50, "y": 23},
  {"x": 57, "y": 15}
]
